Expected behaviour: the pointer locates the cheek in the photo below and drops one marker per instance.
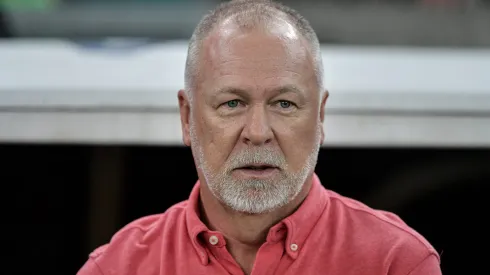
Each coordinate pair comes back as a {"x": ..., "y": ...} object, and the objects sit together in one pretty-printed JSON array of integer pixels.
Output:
[
  {"x": 218, "y": 140},
  {"x": 297, "y": 140}
]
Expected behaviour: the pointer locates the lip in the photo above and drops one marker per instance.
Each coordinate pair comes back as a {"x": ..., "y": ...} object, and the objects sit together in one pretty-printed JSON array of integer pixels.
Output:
[{"x": 243, "y": 172}]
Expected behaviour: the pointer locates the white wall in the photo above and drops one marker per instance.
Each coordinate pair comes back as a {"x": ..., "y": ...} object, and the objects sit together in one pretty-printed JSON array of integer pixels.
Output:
[{"x": 125, "y": 91}]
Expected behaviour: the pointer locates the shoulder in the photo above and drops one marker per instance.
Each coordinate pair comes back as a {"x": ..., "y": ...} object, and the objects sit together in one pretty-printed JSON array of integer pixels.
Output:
[
  {"x": 375, "y": 220},
  {"x": 139, "y": 241},
  {"x": 383, "y": 235}
]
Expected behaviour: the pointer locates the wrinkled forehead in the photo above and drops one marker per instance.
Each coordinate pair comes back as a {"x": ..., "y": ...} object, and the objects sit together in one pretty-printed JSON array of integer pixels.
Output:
[{"x": 260, "y": 54}]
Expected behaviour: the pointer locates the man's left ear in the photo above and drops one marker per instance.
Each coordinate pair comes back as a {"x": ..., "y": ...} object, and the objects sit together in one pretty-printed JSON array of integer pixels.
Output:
[
  {"x": 322, "y": 105},
  {"x": 184, "y": 108},
  {"x": 322, "y": 113}
]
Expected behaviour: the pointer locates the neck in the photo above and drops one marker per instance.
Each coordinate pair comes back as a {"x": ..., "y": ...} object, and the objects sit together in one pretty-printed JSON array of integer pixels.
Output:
[{"x": 244, "y": 233}]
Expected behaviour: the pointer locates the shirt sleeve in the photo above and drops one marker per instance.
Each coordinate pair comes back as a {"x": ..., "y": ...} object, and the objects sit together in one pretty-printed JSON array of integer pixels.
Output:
[
  {"x": 90, "y": 268},
  {"x": 429, "y": 266}
]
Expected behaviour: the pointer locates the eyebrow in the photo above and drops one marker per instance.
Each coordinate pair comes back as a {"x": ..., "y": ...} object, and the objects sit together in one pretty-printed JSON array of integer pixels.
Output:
[
  {"x": 230, "y": 90},
  {"x": 289, "y": 89},
  {"x": 277, "y": 91}
]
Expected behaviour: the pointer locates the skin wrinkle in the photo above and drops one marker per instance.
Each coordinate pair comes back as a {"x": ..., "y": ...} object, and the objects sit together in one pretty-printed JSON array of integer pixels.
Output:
[
  {"x": 272, "y": 29},
  {"x": 287, "y": 92}
]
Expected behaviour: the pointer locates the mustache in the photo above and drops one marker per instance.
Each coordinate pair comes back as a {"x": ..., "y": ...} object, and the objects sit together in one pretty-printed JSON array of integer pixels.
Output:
[{"x": 263, "y": 156}]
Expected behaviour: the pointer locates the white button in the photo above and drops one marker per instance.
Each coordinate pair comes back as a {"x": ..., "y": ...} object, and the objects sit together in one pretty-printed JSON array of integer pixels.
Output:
[
  {"x": 213, "y": 240},
  {"x": 294, "y": 247}
]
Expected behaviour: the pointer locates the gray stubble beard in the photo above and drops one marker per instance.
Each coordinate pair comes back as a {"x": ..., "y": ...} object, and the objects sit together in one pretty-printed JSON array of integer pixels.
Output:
[{"x": 255, "y": 196}]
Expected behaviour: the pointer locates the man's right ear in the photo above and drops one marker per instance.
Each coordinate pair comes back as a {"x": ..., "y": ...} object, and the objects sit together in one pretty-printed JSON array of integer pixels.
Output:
[{"x": 185, "y": 112}]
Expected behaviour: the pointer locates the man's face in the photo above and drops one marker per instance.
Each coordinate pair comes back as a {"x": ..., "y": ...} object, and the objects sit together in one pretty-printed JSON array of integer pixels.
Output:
[{"x": 255, "y": 125}]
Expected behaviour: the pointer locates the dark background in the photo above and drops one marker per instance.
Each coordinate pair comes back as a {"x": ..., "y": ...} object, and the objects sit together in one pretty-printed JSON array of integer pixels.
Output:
[{"x": 51, "y": 193}]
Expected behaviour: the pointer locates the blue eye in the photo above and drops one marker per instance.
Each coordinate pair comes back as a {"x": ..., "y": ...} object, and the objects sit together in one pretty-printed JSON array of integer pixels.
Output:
[
  {"x": 232, "y": 103},
  {"x": 284, "y": 104}
]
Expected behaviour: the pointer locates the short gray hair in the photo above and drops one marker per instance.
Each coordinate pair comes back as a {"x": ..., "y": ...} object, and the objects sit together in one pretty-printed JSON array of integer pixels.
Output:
[{"x": 249, "y": 14}]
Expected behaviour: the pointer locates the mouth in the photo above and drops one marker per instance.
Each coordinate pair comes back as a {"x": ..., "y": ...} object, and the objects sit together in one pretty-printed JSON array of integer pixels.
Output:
[
  {"x": 258, "y": 167},
  {"x": 257, "y": 171}
]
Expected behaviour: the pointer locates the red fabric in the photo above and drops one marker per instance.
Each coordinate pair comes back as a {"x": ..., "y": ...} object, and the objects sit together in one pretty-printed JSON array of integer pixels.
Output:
[{"x": 328, "y": 234}]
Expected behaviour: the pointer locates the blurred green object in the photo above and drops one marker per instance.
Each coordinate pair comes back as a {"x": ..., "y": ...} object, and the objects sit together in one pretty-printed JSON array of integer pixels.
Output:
[
  {"x": 29, "y": 5},
  {"x": 129, "y": 1}
]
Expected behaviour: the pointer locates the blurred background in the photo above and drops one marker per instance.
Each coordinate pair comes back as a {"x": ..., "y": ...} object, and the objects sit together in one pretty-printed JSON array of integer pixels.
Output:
[{"x": 90, "y": 135}]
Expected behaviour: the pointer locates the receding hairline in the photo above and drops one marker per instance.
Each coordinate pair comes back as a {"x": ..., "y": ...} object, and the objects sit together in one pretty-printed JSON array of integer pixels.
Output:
[{"x": 250, "y": 15}]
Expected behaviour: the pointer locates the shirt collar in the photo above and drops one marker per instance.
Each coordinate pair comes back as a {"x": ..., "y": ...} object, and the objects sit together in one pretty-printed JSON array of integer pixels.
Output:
[
  {"x": 298, "y": 225},
  {"x": 194, "y": 224}
]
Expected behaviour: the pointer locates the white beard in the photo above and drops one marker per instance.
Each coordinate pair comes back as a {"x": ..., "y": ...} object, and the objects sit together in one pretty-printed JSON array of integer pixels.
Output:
[{"x": 255, "y": 196}]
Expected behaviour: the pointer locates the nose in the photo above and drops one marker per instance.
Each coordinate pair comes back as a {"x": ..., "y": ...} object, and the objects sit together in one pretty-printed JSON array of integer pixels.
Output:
[{"x": 257, "y": 130}]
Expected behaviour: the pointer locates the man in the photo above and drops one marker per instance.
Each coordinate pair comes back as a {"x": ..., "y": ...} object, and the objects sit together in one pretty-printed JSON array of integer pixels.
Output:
[{"x": 252, "y": 111}]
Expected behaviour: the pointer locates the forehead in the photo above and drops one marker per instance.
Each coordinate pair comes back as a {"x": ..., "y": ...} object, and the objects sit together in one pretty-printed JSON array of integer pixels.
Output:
[{"x": 277, "y": 56}]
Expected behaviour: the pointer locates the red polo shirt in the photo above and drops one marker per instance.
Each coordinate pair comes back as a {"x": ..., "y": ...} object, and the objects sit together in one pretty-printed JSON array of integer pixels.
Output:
[{"x": 328, "y": 234}]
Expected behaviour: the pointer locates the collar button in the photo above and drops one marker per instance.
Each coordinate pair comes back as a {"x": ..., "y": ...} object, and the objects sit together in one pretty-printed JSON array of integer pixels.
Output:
[{"x": 213, "y": 240}]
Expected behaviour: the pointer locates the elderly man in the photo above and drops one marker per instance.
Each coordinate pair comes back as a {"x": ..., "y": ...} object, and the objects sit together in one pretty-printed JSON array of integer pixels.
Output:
[{"x": 252, "y": 111}]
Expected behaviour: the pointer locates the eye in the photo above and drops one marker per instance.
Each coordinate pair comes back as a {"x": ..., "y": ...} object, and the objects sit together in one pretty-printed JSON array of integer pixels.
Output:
[
  {"x": 232, "y": 103},
  {"x": 285, "y": 104}
]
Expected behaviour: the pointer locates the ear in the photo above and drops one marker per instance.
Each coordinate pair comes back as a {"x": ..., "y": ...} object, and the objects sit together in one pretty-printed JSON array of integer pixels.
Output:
[
  {"x": 185, "y": 112},
  {"x": 322, "y": 112}
]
